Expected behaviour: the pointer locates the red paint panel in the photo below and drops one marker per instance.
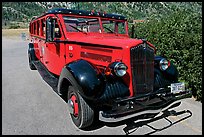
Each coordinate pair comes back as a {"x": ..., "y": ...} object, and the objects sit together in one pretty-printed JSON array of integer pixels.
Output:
[
  {"x": 97, "y": 49},
  {"x": 96, "y": 56}
]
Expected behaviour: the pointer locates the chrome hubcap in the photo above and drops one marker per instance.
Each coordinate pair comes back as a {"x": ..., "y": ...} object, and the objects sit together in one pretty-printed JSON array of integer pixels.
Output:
[{"x": 71, "y": 106}]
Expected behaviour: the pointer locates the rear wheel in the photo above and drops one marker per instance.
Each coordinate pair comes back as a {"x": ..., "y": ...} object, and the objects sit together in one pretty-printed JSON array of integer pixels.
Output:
[
  {"x": 81, "y": 113},
  {"x": 31, "y": 65}
]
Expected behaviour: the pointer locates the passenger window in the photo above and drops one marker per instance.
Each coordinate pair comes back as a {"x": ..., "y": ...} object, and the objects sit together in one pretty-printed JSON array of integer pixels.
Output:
[
  {"x": 43, "y": 26},
  {"x": 57, "y": 30},
  {"x": 50, "y": 29},
  {"x": 38, "y": 27},
  {"x": 35, "y": 28}
]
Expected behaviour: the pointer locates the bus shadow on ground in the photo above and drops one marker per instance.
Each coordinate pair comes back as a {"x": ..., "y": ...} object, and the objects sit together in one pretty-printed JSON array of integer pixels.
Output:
[{"x": 135, "y": 123}]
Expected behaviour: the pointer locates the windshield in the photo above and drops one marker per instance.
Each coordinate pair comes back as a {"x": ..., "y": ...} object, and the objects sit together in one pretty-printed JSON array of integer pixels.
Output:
[
  {"x": 114, "y": 26},
  {"x": 79, "y": 24}
]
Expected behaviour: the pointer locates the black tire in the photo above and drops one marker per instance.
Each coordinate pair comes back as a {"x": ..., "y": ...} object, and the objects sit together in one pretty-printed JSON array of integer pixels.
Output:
[
  {"x": 31, "y": 65},
  {"x": 85, "y": 116}
]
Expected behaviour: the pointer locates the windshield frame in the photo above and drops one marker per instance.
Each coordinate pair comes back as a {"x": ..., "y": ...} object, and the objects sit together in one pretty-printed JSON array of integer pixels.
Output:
[
  {"x": 116, "y": 20},
  {"x": 100, "y": 24}
]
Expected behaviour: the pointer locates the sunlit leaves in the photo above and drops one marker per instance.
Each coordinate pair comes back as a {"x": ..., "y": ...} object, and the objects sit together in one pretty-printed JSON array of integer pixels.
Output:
[{"x": 179, "y": 37}]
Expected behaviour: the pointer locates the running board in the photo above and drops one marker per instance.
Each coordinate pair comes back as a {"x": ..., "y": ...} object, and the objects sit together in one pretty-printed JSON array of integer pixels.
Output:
[{"x": 46, "y": 75}]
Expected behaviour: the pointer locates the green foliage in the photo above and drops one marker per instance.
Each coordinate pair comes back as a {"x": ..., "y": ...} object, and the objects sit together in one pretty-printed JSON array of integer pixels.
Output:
[{"x": 179, "y": 38}]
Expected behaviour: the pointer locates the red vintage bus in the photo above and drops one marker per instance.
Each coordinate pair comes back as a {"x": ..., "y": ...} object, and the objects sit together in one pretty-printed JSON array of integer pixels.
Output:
[{"x": 89, "y": 59}]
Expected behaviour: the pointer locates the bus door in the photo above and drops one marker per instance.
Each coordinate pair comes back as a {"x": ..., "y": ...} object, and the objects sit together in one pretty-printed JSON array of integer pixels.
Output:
[{"x": 54, "y": 49}]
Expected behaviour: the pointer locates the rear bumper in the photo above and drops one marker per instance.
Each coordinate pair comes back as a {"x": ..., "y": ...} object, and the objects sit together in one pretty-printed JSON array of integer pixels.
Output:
[{"x": 157, "y": 102}]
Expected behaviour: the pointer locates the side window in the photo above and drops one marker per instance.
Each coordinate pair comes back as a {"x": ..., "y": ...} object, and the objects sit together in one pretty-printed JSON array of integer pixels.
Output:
[
  {"x": 43, "y": 27},
  {"x": 50, "y": 29},
  {"x": 38, "y": 27},
  {"x": 30, "y": 28},
  {"x": 33, "y": 31},
  {"x": 57, "y": 30},
  {"x": 34, "y": 24}
]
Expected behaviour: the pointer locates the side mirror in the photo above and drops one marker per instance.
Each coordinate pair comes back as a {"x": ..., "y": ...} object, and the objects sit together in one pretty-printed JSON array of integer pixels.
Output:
[{"x": 50, "y": 26}]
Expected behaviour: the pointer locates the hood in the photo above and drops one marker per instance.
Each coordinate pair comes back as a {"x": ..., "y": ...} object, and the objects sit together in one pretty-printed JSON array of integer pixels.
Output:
[{"x": 113, "y": 41}]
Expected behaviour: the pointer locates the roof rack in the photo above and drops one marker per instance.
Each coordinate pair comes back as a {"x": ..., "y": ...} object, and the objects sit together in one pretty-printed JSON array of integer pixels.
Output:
[{"x": 86, "y": 13}]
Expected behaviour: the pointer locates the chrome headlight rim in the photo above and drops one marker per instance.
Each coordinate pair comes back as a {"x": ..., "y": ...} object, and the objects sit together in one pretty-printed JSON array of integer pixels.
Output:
[
  {"x": 164, "y": 64},
  {"x": 120, "y": 69}
]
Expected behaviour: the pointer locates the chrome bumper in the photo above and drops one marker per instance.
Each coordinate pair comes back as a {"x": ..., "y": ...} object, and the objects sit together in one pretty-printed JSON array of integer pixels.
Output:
[{"x": 134, "y": 108}]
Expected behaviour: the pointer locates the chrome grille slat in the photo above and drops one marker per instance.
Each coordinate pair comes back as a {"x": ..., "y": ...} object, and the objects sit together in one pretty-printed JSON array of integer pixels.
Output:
[{"x": 142, "y": 66}]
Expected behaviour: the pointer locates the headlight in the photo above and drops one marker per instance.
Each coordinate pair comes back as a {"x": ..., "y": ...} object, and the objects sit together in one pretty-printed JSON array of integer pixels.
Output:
[
  {"x": 164, "y": 64},
  {"x": 118, "y": 68}
]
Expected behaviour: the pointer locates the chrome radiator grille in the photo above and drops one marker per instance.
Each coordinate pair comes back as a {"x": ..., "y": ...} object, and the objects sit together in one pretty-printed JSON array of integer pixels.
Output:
[{"x": 142, "y": 66}]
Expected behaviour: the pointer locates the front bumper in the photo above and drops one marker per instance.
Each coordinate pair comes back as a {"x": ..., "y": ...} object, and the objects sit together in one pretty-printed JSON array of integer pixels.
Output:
[{"x": 151, "y": 103}]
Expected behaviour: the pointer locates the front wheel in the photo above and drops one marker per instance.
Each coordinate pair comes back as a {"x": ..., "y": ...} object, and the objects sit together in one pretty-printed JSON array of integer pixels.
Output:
[{"x": 81, "y": 113}]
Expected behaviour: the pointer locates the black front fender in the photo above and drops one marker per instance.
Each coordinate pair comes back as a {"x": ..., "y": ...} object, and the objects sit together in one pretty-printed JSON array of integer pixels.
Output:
[
  {"x": 85, "y": 76},
  {"x": 164, "y": 78},
  {"x": 170, "y": 74}
]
